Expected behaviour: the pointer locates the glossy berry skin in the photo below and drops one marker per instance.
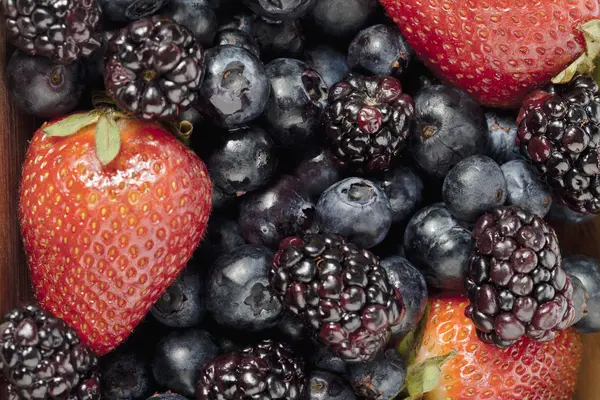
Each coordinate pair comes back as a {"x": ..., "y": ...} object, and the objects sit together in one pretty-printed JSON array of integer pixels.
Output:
[
  {"x": 411, "y": 285},
  {"x": 356, "y": 208},
  {"x": 498, "y": 73},
  {"x": 43, "y": 88},
  {"x": 244, "y": 160},
  {"x": 323, "y": 385},
  {"x": 182, "y": 304},
  {"x": 298, "y": 97},
  {"x": 565, "y": 215},
  {"x": 283, "y": 10},
  {"x": 449, "y": 126},
  {"x": 317, "y": 172},
  {"x": 238, "y": 291},
  {"x": 525, "y": 370},
  {"x": 516, "y": 282},
  {"x": 438, "y": 246},
  {"x": 196, "y": 15},
  {"x": 525, "y": 190},
  {"x": 237, "y": 37},
  {"x": 586, "y": 270},
  {"x": 125, "y": 375},
  {"x": 180, "y": 357},
  {"x": 326, "y": 17},
  {"x": 330, "y": 63},
  {"x": 235, "y": 90},
  {"x": 118, "y": 234},
  {"x": 130, "y": 10},
  {"x": 502, "y": 144},
  {"x": 379, "y": 50},
  {"x": 404, "y": 189},
  {"x": 277, "y": 39},
  {"x": 222, "y": 236},
  {"x": 382, "y": 378},
  {"x": 474, "y": 186}
]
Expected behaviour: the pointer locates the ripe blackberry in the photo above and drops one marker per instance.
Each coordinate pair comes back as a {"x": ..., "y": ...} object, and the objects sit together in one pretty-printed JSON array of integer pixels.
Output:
[
  {"x": 266, "y": 371},
  {"x": 154, "y": 68},
  {"x": 516, "y": 282},
  {"x": 63, "y": 30},
  {"x": 42, "y": 358},
  {"x": 367, "y": 121},
  {"x": 559, "y": 133},
  {"x": 340, "y": 291}
]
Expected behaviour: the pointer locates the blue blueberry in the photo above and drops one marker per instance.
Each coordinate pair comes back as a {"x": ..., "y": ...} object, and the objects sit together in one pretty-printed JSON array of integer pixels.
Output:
[
  {"x": 167, "y": 396},
  {"x": 357, "y": 209},
  {"x": 192, "y": 116},
  {"x": 322, "y": 358},
  {"x": 235, "y": 90},
  {"x": 125, "y": 375},
  {"x": 292, "y": 328},
  {"x": 560, "y": 213},
  {"x": 323, "y": 385},
  {"x": 221, "y": 200},
  {"x": 411, "y": 285},
  {"x": 130, "y": 10},
  {"x": 298, "y": 97},
  {"x": 237, "y": 37},
  {"x": 437, "y": 244},
  {"x": 341, "y": 18},
  {"x": 330, "y": 63},
  {"x": 317, "y": 172},
  {"x": 525, "y": 189},
  {"x": 502, "y": 145},
  {"x": 280, "y": 10},
  {"x": 278, "y": 39},
  {"x": 404, "y": 188},
  {"x": 223, "y": 235},
  {"x": 587, "y": 270},
  {"x": 182, "y": 304},
  {"x": 379, "y": 50},
  {"x": 242, "y": 21},
  {"x": 196, "y": 15},
  {"x": 472, "y": 187},
  {"x": 238, "y": 294},
  {"x": 579, "y": 300},
  {"x": 179, "y": 358},
  {"x": 382, "y": 378},
  {"x": 281, "y": 210},
  {"x": 449, "y": 126},
  {"x": 43, "y": 88}
]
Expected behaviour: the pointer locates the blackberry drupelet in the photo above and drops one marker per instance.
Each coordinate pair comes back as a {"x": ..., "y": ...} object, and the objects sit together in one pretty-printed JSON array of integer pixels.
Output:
[
  {"x": 63, "y": 30},
  {"x": 516, "y": 282},
  {"x": 559, "y": 133},
  {"x": 340, "y": 291},
  {"x": 154, "y": 68},
  {"x": 268, "y": 370},
  {"x": 42, "y": 358},
  {"x": 367, "y": 121}
]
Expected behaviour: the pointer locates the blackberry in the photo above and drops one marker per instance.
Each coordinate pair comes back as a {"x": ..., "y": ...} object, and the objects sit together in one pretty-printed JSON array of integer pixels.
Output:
[
  {"x": 367, "y": 121},
  {"x": 154, "y": 68},
  {"x": 341, "y": 292},
  {"x": 63, "y": 30},
  {"x": 516, "y": 282},
  {"x": 42, "y": 358},
  {"x": 268, "y": 370},
  {"x": 559, "y": 133}
]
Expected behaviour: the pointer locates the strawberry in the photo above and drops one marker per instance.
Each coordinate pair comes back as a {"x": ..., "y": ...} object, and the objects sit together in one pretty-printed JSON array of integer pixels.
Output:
[
  {"x": 496, "y": 50},
  {"x": 525, "y": 371},
  {"x": 110, "y": 211}
]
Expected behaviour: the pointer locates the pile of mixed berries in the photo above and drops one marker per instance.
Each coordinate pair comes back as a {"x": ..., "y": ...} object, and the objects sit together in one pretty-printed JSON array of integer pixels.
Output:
[{"x": 303, "y": 199}]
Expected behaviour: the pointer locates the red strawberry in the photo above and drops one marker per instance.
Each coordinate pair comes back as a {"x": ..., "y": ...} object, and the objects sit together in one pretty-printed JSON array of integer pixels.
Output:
[
  {"x": 525, "y": 371},
  {"x": 497, "y": 50},
  {"x": 105, "y": 239}
]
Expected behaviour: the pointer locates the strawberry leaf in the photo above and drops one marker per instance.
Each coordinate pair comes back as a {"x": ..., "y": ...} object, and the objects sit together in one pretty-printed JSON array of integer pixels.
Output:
[
  {"x": 71, "y": 124},
  {"x": 410, "y": 344},
  {"x": 586, "y": 63},
  {"x": 108, "y": 139},
  {"x": 424, "y": 377}
]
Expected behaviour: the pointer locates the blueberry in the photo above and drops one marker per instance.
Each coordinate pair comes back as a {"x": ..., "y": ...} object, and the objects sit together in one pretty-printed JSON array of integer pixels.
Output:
[
  {"x": 223, "y": 235},
  {"x": 130, "y": 10},
  {"x": 323, "y": 385},
  {"x": 238, "y": 292},
  {"x": 436, "y": 243},
  {"x": 322, "y": 358},
  {"x": 579, "y": 300},
  {"x": 192, "y": 116},
  {"x": 379, "y": 50},
  {"x": 242, "y": 21},
  {"x": 411, "y": 285},
  {"x": 182, "y": 304},
  {"x": 292, "y": 328},
  {"x": 564, "y": 214},
  {"x": 525, "y": 189},
  {"x": 43, "y": 88},
  {"x": 167, "y": 396},
  {"x": 382, "y": 378},
  {"x": 341, "y": 18},
  {"x": 281, "y": 210},
  {"x": 179, "y": 358},
  {"x": 449, "y": 126},
  {"x": 502, "y": 145},
  {"x": 357, "y": 209},
  {"x": 236, "y": 37},
  {"x": 298, "y": 97},
  {"x": 125, "y": 375},
  {"x": 317, "y": 172},
  {"x": 330, "y": 63},
  {"x": 221, "y": 200},
  {"x": 404, "y": 188},
  {"x": 235, "y": 90},
  {"x": 243, "y": 161},
  {"x": 278, "y": 39},
  {"x": 196, "y": 15},
  {"x": 280, "y": 10},
  {"x": 587, "y": 271},
  {"x": 472, "y": 187}
]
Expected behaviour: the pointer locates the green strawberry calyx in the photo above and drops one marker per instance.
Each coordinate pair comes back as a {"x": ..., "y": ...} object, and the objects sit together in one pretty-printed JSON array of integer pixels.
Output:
[{"x": 588, "y": 62}]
